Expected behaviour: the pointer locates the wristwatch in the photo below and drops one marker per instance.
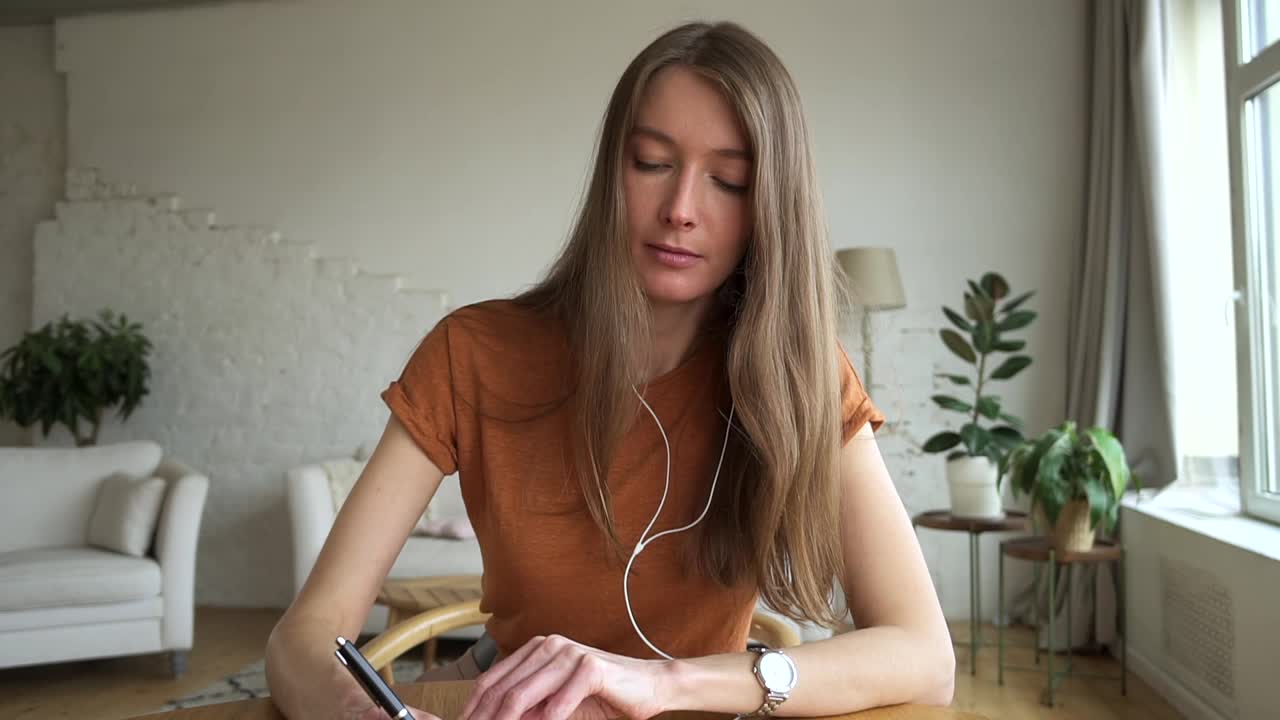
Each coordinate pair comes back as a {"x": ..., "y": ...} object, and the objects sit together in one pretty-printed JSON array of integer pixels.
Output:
[{"x": 776, "y": 673}]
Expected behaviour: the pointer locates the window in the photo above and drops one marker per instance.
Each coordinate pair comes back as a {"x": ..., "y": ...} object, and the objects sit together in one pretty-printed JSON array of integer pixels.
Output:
[
  {"x": 1258, "y": 27},
  {"x": 1253, "y": 131}
]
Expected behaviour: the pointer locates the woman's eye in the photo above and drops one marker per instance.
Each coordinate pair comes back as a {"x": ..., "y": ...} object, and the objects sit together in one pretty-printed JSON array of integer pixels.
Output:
[
  {"x": 646, "y": 167},
  {"x": 730, "y": 187}
]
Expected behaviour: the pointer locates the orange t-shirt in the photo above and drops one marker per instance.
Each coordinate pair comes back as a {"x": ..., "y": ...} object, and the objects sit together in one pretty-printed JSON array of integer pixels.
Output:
[{"x": 485, "y": 396}]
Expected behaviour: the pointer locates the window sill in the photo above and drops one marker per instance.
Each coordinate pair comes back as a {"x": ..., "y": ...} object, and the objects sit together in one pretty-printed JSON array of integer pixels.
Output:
[{"x": 1204, "y": 511}]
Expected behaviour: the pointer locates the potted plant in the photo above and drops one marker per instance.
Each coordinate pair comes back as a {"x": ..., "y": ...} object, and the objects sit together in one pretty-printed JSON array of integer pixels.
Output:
[
  {"x": 1075, "y": 480},
  {"x": 976, "y": 453},
  {"x": 72, "y": 371}
]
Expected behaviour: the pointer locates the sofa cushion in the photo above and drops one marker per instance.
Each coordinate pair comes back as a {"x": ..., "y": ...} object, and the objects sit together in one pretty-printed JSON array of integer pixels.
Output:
[
  {"x": 125, "y": 516},
  {"x": 53, "y": 577},
  {"x": 425, "y": 556},
  {"x": 49, "y": 492},
  {"x": 151, "y": 608}
]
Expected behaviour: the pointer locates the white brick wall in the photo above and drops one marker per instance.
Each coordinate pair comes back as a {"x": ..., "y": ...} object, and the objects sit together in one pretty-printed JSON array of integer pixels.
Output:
[{"x": 265, "y": 357}]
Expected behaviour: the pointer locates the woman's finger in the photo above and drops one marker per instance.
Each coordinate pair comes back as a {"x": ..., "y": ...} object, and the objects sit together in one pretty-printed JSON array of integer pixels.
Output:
[
  {"x": 497, "y": 673},
  {"x": 584, "y": 681},
  {"x": 527, "y": 694}
]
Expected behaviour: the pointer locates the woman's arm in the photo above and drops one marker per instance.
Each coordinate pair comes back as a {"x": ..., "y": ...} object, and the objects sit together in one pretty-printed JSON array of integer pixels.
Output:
[
  {"x": 902, "y": 651},
  {"x": 305, "y": 678},
  {"x": 901, "y": 654}
]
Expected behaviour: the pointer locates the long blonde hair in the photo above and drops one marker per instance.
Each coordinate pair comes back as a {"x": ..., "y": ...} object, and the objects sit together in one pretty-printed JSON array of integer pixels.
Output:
[{"x": 774, "y": 521}]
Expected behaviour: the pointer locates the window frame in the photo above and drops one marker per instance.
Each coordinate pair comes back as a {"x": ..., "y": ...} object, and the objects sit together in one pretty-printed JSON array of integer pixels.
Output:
[{"x": 1259, "y": 418}]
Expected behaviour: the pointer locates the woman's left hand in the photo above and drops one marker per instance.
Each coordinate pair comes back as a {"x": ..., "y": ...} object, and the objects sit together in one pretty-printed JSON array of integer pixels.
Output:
[{"x": 555, "y": 678}]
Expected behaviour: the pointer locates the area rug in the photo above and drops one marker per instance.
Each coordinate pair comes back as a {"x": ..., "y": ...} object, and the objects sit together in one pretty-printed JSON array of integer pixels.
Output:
[{"x": 251, "y": 682}]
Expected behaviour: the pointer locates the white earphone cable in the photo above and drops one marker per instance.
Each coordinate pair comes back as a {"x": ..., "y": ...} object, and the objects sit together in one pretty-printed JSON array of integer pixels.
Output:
[{"x": 644, "y": 542}]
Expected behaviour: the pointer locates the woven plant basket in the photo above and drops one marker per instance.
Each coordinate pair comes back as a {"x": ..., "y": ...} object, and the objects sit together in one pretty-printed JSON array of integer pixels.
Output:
[{"x": 1072, "y": 532}]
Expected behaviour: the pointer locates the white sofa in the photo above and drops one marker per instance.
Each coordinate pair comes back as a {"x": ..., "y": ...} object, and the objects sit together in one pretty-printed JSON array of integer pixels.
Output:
[
  {"x": 61, "y": 599},
  {"x": 312, "y": 512}
]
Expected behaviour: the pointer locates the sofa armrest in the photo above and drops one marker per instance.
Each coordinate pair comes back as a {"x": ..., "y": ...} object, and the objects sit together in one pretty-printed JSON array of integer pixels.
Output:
[
  {"x": 311, "y": 516},
  {"x": 177, "y": 536}
]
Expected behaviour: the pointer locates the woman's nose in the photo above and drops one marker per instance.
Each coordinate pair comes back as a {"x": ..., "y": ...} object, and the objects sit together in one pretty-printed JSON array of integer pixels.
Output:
[{"x": 680, "y": 209}]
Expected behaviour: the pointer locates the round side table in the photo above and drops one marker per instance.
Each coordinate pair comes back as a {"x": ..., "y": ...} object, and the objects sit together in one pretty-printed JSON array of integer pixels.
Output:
[
  {"x": 1013, "y": 520},
  {"x": 406, "y": 597},
  {"x": 1040, "y": 549}
]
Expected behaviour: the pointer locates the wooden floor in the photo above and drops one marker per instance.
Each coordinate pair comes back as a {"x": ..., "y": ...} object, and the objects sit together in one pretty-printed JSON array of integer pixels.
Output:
[
  {"x": 228, "y": 639},
  {"x": 225, "y": 641}
]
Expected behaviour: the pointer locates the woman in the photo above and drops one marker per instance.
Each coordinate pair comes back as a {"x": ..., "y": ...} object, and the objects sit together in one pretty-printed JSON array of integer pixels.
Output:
[{"x": 675, "y": 380}]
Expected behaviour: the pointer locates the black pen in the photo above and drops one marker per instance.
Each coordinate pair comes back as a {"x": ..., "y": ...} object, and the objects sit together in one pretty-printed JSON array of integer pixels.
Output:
[{"x": 369, "y": 679}]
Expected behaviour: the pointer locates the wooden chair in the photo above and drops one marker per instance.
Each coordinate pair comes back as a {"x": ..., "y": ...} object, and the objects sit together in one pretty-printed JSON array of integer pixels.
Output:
[{"x": 382, "y": 651}]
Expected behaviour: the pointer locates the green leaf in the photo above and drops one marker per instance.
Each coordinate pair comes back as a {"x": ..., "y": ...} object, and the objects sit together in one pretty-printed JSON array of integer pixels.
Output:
[
  {"x": 956, "y": 319},
  {"x": 957, "y": 379},
  {"x": 1009, "y": 345},
  {"x": 989, "y": 406},
  {"x": 975, "y": 438},
  {"x": 977, "y": 290},
  {"x": 957, "y": 345},
  {"x": 979, "y": 308},
  {"x": 984, "y": 334},
  {"x": 1016, "y": 302},
  {"x": 1011, "y": 367},
  {"x": 949, "y": 403},
  {"x": 1007, "y": 437},
  {"x": 1110, "y": 452},
  {"x": 1097, "y": 502},
  {"x": 942, "y": 442},
  {"x": 995, "y": 286},
  {"x": 1012, "y": 420},
  {"x": 1016, "y": 320}
]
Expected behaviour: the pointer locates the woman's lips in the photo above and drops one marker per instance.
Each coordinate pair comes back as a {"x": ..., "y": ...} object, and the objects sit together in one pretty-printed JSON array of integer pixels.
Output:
[{"x": 673, "y": 257}]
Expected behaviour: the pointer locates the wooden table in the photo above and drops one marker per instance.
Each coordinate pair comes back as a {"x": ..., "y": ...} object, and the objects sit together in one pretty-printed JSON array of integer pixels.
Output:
[
  {"x": 944, "y": 520},
  {"x": 407, "y": 597},
  {"x": 446, "y": 699}
]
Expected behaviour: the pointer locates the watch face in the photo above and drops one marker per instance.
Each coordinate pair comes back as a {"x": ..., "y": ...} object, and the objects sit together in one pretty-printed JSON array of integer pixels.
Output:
[{"x": 777, "y": 671}]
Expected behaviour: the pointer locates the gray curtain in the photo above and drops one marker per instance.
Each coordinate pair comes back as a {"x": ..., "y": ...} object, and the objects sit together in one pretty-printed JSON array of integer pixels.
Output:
[{"x": 1119, "y": 372}]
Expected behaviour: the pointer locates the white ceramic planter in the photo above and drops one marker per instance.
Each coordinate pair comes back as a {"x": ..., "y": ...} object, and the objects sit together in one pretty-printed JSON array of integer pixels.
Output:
[{"x": 972, "y": 482}]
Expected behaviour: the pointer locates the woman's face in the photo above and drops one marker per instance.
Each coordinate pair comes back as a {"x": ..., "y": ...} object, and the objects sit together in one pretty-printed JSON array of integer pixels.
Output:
[{"x": 686, "y": 182}]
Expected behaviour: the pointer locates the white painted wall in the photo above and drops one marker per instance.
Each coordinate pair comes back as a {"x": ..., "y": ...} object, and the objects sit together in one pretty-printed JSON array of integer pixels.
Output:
[
  {"x": 32, "y": 159},
  {"x": 1211, "y": 651},
  {"x": 451, "y": 141}
]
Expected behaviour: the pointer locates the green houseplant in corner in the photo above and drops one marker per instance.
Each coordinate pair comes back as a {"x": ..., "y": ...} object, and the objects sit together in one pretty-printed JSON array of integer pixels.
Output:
[
  {"x": 976, "y": 453},
  {"x": 1075, "y": 480},
  {"x": 72, "y": 371}
]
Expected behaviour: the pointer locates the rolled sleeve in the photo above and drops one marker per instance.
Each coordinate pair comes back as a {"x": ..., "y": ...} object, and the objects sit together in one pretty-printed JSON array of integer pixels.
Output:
[
  {"x": 856, "y": 408},
  {"x": 422, "y": 399}
]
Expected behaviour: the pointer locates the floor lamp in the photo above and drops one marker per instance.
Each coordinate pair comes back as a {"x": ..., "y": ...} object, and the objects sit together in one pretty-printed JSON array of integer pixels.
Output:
[{"x": 874, "y": 285}]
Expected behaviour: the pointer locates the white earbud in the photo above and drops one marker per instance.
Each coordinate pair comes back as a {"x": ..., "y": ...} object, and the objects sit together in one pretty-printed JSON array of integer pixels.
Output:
[{"x": 644, "y": 541}]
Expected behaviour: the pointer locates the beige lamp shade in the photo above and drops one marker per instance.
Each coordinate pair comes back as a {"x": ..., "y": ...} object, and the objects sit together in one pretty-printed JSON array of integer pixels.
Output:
[{"x": 873, "y": 278}]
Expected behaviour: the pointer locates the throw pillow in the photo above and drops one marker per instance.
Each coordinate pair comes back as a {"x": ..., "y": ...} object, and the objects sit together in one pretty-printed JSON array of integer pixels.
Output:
[
  {"x": 452, "y": 528},
  {"x": 343, "y": 475},
  {"x": 126, "y": 512}
]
